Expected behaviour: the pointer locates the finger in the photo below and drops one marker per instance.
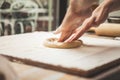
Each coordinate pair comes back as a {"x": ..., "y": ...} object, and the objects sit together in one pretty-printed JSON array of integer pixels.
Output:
[
  {"x": 75, "y": 36},
  {"x": 80, "y": 31},
  {"x": 64, "y": 36}
]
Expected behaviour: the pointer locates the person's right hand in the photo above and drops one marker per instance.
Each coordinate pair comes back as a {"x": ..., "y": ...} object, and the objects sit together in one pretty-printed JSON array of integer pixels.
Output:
[
  {"x": 77, "y": 12},
  {"x": 99, "y": 15}
]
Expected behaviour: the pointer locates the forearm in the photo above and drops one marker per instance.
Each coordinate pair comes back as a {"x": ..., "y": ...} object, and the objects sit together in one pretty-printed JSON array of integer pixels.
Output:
[
  {"x": 78, "y": 6},
  {"x": 113, "y": 5}
]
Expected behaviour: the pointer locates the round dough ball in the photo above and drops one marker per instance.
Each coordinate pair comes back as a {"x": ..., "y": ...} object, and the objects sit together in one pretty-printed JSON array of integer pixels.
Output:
[{"x": 53, "y": 43}]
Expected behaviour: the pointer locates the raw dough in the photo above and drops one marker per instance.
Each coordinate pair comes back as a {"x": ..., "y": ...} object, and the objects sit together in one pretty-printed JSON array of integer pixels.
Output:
[{"x": 53, "y": 43}]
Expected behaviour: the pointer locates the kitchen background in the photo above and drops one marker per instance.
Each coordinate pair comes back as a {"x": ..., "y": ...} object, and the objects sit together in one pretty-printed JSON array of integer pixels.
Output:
[{"x": 22, "y": 16}]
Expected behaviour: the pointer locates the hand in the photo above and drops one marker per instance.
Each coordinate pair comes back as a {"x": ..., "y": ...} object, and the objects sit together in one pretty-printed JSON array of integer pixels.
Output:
[
  {"x": 74, "y": 17},
  {"x": 68, "y": 26},
  {"x": 98, "y": 16}
]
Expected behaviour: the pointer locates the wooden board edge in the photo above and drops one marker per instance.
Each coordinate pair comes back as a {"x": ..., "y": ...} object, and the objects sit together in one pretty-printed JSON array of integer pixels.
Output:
[{"x": 73, "y": 71}]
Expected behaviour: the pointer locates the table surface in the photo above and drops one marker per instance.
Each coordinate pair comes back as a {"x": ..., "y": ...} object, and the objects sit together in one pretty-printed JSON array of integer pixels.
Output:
[{"x": 40, "y": 74}]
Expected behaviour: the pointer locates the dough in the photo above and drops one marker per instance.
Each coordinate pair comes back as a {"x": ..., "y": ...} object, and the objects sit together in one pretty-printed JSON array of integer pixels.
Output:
[{"x": 53, "y": 43}]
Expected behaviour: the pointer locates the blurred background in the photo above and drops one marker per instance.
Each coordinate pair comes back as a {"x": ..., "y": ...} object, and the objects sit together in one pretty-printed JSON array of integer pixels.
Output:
[{"x": 22, "y": 16}]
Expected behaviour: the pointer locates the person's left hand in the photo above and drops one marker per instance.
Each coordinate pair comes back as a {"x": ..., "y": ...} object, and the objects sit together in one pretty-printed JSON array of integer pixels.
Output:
[
  {"x": 70, "y": 23},
  {"x": 77, "y": 12}
]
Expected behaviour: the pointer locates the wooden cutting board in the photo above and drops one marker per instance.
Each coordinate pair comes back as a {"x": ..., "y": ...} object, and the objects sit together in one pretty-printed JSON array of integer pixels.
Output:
[{"x": 91, "y": 58}]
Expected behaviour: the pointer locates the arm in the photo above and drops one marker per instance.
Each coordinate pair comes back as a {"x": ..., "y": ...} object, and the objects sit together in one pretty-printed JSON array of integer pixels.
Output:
[
  {"x": 77, "y": 12},
  {"x": 98, "y": 16},
  {"x": 115, "y": 5}
]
